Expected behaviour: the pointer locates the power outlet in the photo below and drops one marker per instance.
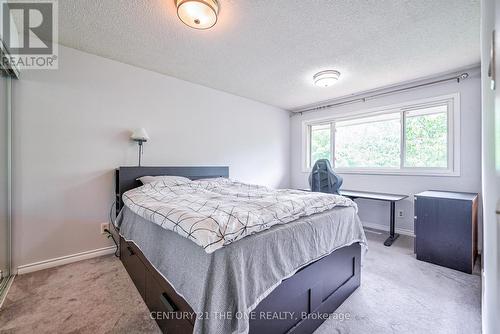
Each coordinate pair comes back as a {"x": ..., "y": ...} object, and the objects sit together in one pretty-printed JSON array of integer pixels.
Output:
[
  {"x": 104, "y": 226},
  {"x": 401, "y": 213}
]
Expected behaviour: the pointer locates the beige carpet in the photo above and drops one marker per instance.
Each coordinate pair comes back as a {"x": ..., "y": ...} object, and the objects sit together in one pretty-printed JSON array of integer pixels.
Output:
[
  {"x": 91, "y": 296},
  {"x": 398, "y": 295}
]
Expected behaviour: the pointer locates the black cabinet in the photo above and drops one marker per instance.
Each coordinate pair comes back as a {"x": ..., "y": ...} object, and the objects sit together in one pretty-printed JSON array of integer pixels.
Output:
[{"x": 446, "y": 229}]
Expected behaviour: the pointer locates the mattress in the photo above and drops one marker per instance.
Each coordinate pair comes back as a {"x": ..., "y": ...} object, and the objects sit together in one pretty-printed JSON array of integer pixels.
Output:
[{"x": 234, "y": 279}]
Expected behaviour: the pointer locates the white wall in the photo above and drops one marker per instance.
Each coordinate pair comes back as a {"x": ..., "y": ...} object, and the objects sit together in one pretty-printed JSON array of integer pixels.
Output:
[
  {"x": 71, "y": 131},
  {"x": 377, "y": 214}
]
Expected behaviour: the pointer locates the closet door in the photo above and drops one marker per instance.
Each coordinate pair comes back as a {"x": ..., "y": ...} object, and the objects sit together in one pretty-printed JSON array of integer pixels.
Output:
[{"x": 4, "y": 142}]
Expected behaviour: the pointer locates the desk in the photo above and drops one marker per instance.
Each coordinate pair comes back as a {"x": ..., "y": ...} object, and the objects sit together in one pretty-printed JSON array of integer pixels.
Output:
[{"x": 392, "y": 198}]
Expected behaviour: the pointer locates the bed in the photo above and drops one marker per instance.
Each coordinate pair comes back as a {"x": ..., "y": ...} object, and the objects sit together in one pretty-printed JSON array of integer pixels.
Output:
[{"x": 285, "y": 279}]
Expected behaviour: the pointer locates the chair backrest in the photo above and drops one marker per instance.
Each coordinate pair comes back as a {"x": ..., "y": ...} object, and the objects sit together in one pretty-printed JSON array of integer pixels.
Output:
[{"x": 324, "y": 179}]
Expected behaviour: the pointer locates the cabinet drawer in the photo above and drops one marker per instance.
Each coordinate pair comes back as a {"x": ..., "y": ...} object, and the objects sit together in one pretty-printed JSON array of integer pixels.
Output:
[{"x": 134, "y": 266}]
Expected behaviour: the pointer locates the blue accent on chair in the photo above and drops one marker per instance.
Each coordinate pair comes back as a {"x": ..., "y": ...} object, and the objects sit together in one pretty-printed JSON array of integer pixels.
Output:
[{"x": 324, "y": 179}]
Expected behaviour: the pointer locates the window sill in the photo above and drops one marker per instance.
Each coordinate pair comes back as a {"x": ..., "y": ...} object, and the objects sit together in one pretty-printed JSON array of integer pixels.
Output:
[{"x": 432, "y": 173}]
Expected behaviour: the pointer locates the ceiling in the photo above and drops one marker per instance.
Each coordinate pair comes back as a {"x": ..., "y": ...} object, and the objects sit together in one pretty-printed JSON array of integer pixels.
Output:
[{"x": 269, "y": 50}]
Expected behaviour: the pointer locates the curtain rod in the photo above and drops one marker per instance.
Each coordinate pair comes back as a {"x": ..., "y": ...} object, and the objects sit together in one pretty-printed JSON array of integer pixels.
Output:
[{"x": 456, "y": 78}]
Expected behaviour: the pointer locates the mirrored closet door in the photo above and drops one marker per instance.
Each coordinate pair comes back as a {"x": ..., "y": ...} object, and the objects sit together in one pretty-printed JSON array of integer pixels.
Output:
[
  {"x": 6, "y": 77},
  {"x": 4, "y": 225}
]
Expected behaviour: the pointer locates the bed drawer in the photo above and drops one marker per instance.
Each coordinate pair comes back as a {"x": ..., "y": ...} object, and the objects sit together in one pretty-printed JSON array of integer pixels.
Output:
[
  {"x": 168, "y": 315},
  {"x": 162, "y": 287},
  {"x": 171, "y": 312},
  {"x": 313, "y": 292},
  {"x": 136, "y": 269}
]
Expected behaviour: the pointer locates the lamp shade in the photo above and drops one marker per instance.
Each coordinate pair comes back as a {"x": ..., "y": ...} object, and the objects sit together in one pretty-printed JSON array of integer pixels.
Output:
[{"x": 139, "y": 134}]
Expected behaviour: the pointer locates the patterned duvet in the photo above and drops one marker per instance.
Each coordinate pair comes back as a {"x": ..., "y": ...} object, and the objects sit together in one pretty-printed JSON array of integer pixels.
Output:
[{"x": 216, "y": 212}]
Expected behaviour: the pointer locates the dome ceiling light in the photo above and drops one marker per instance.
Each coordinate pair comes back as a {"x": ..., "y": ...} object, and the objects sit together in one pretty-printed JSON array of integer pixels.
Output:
[
  {"x": 198, "y": 14},
  {"x": 326, "y": 78}
]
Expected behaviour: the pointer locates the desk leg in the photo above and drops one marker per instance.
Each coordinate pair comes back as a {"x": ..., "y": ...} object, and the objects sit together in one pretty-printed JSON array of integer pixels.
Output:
[{"x": 392, "y": 235}]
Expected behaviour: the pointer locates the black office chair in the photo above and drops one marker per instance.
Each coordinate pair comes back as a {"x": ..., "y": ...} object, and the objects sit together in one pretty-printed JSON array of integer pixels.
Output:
[{"x": 324, "y": 179}]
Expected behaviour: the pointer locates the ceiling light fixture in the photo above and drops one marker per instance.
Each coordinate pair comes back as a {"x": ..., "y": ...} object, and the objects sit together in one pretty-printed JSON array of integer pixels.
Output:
[
  {"x": 198, "y": 14},
  {"x": 326, "y": 78}
]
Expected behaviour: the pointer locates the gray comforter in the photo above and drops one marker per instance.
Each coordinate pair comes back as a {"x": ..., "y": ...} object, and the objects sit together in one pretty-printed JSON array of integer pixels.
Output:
[{"x": 237, "y": 277}]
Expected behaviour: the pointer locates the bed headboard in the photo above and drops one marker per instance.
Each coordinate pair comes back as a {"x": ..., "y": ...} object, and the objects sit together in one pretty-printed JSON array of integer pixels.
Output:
[{"x": 126, "y": 177}]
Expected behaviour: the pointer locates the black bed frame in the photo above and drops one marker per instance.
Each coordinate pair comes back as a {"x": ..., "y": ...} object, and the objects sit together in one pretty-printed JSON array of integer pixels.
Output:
[{"x": 312, "y": 293}]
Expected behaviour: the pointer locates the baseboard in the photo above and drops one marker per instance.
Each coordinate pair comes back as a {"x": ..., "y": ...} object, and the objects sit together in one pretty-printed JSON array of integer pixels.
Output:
[
  {"x": 381, "y": 227},
  {"x": 50, "y": 263}
]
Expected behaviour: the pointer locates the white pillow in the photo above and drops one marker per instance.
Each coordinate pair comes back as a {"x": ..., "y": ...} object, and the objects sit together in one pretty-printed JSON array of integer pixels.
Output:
[{"x": 169, "y": 180}]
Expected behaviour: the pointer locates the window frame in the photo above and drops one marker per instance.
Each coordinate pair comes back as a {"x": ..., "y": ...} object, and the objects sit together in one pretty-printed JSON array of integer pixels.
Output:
[{"x": 453, "y": 118}]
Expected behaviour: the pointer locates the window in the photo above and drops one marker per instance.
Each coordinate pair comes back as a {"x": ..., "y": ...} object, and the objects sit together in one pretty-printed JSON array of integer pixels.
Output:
[
  {"x": 426, "y": 133},
  {"x": 321, "y": 138},
  {"x": 369, "y": 142},
  {"x": 414, "y": 138}
]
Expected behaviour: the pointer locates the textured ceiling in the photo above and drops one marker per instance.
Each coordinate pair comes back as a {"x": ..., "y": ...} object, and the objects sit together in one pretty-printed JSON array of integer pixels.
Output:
[{"x": 268, "y": 50}]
